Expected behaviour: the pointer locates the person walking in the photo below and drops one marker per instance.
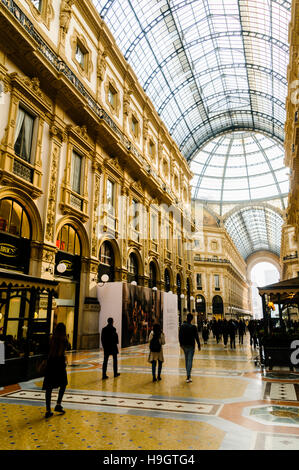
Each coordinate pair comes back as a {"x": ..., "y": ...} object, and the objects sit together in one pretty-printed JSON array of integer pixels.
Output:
[
  {"x": 188, "y": 334},
  {"x": 232, "y": 334},
  {"x": 252, "y": 327},
  {"x": 225, "y": 331},
  {"x": 205, "y": 332},
  {"x": 156, "y": 341},
  {"x": 241, "y": 328},
  {"x": 109, "y": 338},
  {"x": 55, "y": 372}
]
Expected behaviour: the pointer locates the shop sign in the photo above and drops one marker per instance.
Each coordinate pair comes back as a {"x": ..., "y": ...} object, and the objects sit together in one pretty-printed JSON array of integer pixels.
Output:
[
  {"x": 8, "y": 250},
  {"x": 14, "y": 252}
]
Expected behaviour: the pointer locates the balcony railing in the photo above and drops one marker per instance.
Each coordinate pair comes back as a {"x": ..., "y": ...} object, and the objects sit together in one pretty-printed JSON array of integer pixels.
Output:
[
  {"x": 63, "y": 68},
  {"x": 211, "y": 260},
  {"x": 23, "y": 170},
  {"x": 293, "y": 256}
]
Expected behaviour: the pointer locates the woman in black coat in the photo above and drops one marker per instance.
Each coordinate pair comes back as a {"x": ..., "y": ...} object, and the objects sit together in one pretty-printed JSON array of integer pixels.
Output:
[{"x": 55, "y": 373}]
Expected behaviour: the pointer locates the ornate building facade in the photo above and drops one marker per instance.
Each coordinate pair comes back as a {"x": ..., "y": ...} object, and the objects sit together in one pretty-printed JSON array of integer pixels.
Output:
[{"x": 290, "y": 237}]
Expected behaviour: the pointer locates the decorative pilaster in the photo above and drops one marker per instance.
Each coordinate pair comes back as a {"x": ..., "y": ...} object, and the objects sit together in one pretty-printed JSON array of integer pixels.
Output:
[{"x": 57, "y": 136}]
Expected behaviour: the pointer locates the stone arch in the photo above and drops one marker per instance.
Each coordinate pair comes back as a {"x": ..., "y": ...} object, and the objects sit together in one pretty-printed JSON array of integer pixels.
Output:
[
  {"x": 260, "y": 257},
  {"x": 79, "y": 227},
  {"x": 139, "y": 260},
  {"x": 116, "y": 250},
  {"x": 158, "y": 271},
  {"x": 33, "y": 213}
]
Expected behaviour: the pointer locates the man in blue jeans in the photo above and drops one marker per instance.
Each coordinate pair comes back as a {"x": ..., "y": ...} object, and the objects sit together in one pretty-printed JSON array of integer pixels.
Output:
[{"x": 188, "y": 334}]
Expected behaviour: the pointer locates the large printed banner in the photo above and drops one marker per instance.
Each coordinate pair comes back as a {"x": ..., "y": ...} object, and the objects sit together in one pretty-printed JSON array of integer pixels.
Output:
[
  {"x": 110, "y": 299},
  {"x": 135, "y": 309},
  {"x": 141, "y": 309}
]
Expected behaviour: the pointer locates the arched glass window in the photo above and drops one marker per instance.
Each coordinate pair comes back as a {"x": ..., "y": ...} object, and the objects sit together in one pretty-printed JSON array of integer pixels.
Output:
[
  {"x": 153, "y": 275},
  {"x": 107, "y": 261},
  {"x": 167, "y": 280},
  {"x": 68, "y": 240},
  {"x": 14, "y": 219},
  {"x": 132, "y": 268}
]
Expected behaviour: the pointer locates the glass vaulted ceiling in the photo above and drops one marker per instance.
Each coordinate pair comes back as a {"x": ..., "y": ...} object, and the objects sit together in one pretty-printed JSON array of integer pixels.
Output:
[
  {"x": 255, "y": 228},
  {"x": 240, "y": 166},
  {"x": 208, "y": 66},
  {"x": 214, "y": 67}
]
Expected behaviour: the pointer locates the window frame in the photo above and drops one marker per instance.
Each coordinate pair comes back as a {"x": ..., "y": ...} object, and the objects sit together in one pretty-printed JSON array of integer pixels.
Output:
[
  {"x": 34, "y": 119},
  {"x": 75, "y": 153}
]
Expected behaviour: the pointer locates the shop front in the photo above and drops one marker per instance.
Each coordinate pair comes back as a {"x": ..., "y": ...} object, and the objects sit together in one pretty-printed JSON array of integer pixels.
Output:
[
  {"x": 67, "y": 273},
  {"x": 26, "y": 305}
]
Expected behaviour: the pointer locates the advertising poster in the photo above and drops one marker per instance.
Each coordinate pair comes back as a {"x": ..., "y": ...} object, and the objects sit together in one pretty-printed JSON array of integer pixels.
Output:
[{"x": 141, "y": 309}]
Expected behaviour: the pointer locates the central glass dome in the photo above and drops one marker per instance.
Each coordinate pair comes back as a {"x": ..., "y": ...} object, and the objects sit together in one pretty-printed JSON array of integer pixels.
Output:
[{"x": 240, "y": 167}]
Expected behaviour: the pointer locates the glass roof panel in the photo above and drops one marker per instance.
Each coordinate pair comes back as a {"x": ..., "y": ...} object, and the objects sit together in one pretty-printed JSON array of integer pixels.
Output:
[
  {"x": 241, "y": 160},
  {"x": 207, "y": 65},
  {"x": 255, "y": 228},
  {"x": 216, "y": 72}
]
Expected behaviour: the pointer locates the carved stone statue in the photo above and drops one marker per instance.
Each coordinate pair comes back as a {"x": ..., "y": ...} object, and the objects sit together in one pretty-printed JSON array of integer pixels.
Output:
[{"x": 65, "y": 14}]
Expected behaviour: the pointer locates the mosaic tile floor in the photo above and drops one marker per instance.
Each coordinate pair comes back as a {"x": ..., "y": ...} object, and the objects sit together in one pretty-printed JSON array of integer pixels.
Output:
[{"x": 231, "y": 404}]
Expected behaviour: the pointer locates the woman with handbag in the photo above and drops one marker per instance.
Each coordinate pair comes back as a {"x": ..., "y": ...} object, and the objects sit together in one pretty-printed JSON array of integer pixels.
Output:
[
  {"x": 156, "y": 341},
  {"x": 55, "y": 372}
]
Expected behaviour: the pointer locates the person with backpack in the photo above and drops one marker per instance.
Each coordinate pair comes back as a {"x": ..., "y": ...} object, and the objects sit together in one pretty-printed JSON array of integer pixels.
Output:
[
  {"x": 156, "y": 341},
  {"x": 188, "y": 334}
]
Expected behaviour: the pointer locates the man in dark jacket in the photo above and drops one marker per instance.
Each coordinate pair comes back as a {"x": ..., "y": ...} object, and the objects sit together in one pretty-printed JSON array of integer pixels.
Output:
[
  {"x": 188, "y": 334},
  {"x": 109, "y": 339}
]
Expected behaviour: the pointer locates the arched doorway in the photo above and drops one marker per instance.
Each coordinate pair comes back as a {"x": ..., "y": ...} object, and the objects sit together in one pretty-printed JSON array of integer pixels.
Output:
[
  {"x": 261, "y": 274},
  {"x": 69, "y": 254},
  {"x": 15, "y": 236},
  {"x": 217, "y": 307},
  {"x": 200, "y": 302},
  {"x": 107, "y": 261},
  {"x": 201, "y": 305}
]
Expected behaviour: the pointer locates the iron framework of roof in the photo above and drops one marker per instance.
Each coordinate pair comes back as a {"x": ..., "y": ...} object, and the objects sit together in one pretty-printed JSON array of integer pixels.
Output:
[
  {"x": 213, "y": 67},
  {"x": 255, "y": 228},
  {"x": 207, "y": 65}
]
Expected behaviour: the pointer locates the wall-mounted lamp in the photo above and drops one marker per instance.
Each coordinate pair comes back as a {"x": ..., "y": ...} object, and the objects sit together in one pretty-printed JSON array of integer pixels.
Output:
[
  {"x": 104, "y": 279},
  {"x": 133, "y": 283},
  {"x": 61, "y": 268},
  {"x": 154, "y": 288}
]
